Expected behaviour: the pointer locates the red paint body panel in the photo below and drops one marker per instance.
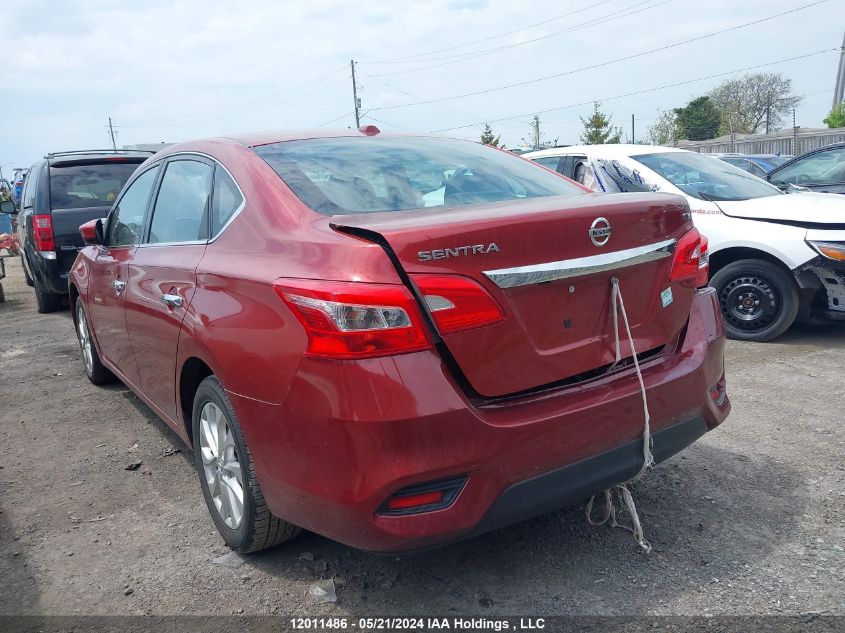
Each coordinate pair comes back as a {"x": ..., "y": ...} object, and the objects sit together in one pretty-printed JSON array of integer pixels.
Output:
[
  {"x": 153, "y": 327},
  {"x": 333, "y": 439}
]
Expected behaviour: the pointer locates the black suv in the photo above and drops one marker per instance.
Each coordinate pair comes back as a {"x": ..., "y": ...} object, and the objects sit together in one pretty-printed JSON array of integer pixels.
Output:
[{"x": 61, "y": 192}]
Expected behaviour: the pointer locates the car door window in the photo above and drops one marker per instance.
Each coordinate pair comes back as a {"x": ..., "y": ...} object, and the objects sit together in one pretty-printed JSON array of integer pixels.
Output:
[
  {"x": 127, "y": 217},
  {"x": 823, "y": 168},
  {"x": 548, "y": 161},
  {"x": 181, "y": 209},
  {"x": 226, "y": 200}
]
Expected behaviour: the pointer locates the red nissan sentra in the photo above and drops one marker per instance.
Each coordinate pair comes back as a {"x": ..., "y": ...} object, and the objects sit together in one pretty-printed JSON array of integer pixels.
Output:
[{"x": 397, "y": 341}]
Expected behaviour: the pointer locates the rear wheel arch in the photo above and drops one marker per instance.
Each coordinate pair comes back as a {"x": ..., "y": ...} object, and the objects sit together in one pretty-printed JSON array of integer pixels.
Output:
[{"x": 194, "y": 371}]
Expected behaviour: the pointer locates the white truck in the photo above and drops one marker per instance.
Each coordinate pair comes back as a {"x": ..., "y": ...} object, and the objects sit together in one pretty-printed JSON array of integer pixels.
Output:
[{"x": 775, "y": 257}]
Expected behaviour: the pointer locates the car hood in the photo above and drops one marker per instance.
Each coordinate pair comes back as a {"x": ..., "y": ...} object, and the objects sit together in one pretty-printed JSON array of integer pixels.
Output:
[{"x": 803, "y": 208}]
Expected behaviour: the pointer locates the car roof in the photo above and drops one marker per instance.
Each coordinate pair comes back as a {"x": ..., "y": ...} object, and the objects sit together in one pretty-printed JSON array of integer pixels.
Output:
[
  {"x": 256, "y": 139},
  {"x": 611, "y": 150}
]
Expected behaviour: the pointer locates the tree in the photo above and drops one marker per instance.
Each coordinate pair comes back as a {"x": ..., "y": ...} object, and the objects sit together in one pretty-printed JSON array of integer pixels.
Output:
[
  {"x": 664, "y": 130},
  {"x": 535, "y": 140},
  {"x": 598, "y": 129},
  {"x": 836, "y": 118},
  {"x": 754, "y": 103},
  {"x": 488, "y": 138},
  {"x": 697, "y": 121}
]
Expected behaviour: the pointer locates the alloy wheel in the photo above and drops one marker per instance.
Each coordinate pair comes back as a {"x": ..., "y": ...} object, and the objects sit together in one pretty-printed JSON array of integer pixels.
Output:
[
  {"x": 221, "y": 466},
  {"x": 84, "y": 340}
]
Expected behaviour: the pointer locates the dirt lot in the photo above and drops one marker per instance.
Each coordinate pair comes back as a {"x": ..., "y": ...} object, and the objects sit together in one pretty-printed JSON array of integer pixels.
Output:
[{"x": 750, "y": 520}]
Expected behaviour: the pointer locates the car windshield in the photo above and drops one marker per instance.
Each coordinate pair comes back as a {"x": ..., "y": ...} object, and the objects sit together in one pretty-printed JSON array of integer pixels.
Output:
[
  {"x": 89, "y": 185},
  {"x": 337, "y": 176},
  {"x": 705, "y": 177}
]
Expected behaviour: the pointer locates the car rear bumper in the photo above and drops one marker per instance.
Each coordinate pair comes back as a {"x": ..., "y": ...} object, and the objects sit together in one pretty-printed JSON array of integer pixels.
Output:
[{"x": 349, "y": 435}]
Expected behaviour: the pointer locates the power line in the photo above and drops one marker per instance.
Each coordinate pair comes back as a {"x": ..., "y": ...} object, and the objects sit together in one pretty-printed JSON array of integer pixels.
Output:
[
  {"x": 602, "y": 64},
  {"x": 620, "y": 13},
  {"x": 399, "y": 60},
  {"x": 337, "y": 118},
  {"x": 639, "y": 92}
]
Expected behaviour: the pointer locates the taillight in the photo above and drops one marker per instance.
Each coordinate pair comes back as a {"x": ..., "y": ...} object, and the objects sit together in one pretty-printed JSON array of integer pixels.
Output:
[
  {"x": 703, "y": 277},
  {"x": 354, "y": 320},
  {"x": 42, "y": 233},
  {"x": 457, "y": 304},
  {"x": 685, "y": 263}
]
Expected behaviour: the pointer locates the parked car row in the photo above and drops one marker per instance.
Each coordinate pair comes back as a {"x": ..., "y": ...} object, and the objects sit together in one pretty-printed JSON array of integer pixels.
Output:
[
  {"x": 774, "y": 258},
  {"x": 399, "y": 341}
]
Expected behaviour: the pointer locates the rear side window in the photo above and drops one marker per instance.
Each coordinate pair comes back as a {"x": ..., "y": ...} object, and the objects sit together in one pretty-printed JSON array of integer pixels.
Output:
[
  {"x": 127, "y": 218},
  {"x": 181, "y": 209},
  {"x": 226, "y": 200},
  {"x": 338, "y": 176},
  {"x": 97, "y": 185},
  {"x": 29, "y": 188}
]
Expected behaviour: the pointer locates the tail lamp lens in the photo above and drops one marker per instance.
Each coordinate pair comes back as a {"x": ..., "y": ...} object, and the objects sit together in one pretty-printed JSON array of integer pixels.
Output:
[
  {"x": 354, "y": 320},
  {"x": 42, "y": 233},
  {"x": 457, "y": 304},
  {"x": 687, "y": 259},
  {"x": 703, "y": 277}
]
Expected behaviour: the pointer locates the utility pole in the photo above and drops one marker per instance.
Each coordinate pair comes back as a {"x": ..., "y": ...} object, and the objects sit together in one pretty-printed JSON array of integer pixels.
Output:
[
  {"x": 355, "y": 98},
  {"x": 536, "y": 125},
  {"x": 633, "y": 135},
  {"x": 111, "y": 134},
  {"x": 794, "y": 135},
  {"x": 839, "y": 91}
]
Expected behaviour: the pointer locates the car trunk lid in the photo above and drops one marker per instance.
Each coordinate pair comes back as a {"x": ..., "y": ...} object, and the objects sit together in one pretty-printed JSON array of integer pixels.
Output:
[{"x": 551, "y": 276}]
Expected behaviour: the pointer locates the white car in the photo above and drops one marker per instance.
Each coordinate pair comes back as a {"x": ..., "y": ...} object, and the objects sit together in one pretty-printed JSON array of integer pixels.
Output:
[{"x": 774, "y": 257}]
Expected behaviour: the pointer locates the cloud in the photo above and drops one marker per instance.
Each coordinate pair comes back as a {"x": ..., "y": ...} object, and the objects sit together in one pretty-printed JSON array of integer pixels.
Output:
[{"x": 175, "y": 70}]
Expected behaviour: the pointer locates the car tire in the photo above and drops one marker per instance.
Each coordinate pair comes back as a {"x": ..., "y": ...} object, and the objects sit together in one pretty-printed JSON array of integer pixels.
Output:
[
  {"x": 97, "y": 373},
  {"x": 759, "y": 299},
  {"x": 26, "y": 276},
  {"x": 252, "y": 527},
  {"x": 47, "y": 301}
]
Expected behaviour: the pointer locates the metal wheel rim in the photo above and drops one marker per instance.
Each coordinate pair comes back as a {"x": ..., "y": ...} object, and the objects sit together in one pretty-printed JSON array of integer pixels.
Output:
[
  {"x": 221, "y": 467},
  {"x": 750, "y": 303},
  {"x": 84, "y": 340}
]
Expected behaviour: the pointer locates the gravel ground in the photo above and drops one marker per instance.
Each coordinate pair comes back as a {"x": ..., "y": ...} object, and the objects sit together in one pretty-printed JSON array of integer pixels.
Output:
[{"x": 749, "y": 520}]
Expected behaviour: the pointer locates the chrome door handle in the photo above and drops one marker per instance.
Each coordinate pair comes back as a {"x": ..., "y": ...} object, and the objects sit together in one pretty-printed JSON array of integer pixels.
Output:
[
  {"x": 172, "y": 301},
  {"x": 118, "y": 285}
]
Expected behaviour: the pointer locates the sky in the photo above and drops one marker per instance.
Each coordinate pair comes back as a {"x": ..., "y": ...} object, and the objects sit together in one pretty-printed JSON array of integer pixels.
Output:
[{"x": 174, "y": 70}]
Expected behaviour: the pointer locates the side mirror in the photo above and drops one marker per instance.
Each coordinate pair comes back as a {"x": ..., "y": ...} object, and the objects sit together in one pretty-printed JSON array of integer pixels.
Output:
[
  {"x": 8, "y": 207},
  {"x": 89, "y": 233}
]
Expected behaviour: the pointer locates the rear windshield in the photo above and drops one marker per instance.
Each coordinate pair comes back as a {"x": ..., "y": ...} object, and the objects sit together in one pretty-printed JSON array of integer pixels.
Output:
[
  {"x": 338, "y": 176},
  {"x": 78, "y": 186}
]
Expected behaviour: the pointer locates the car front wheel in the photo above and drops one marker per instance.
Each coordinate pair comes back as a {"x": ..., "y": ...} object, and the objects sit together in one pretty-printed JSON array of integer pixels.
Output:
[
  {"x": 227, "y": 475},
  {"x": 759, "y": 299}
]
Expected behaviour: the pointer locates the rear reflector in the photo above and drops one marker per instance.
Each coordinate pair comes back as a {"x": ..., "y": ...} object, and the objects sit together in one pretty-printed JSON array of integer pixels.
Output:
[
  {"x": 354, "y": 320},
  {"x": 427, "y": 497},
  {"x": 456, "y": 303},
  {"x": 685, "y": 264},
  {"x": 414, "y": 501},
  {"x": 42, "y": 233}
]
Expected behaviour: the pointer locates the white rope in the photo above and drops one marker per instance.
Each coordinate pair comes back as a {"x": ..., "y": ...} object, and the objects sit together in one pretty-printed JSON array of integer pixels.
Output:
[{"x": 621, "y": 490}]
